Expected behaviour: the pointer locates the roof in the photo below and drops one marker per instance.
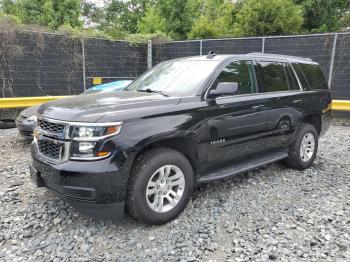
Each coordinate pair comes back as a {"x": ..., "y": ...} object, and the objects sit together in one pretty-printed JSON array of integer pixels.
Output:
[
  {"x": 278, "y": 56},
  {"x": 248, "y": 56}
]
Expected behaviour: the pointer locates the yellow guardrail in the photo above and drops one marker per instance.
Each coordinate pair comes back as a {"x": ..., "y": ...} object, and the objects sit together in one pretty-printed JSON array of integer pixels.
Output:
[
  {"x": 341, "y": 105},
  {"x": 18, "y": 102}
]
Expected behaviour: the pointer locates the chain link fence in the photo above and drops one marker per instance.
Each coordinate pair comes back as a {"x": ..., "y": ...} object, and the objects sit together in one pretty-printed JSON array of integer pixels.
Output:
[
  {"x": 113, "y": 61},
  {"x": 38, "y": 64},
  {"x": 331, "y": 51}
]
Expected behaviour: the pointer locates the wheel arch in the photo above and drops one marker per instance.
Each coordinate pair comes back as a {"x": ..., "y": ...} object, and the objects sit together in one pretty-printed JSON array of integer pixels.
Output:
[
  {"x": 315, "y": 120},
  {"x": 185, "y": 145}
]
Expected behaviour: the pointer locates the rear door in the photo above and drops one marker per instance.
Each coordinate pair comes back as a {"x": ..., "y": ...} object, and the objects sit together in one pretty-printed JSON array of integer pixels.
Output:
[
  {"x": 286, "y": 101},
  {"x": 236, "y": 122}
]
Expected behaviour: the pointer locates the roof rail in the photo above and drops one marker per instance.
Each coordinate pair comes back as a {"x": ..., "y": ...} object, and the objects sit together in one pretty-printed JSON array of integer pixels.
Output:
[{"x": 280, "y": 56}]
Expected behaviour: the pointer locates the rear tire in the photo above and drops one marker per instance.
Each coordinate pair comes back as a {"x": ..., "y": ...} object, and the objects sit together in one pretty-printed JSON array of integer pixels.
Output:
[
  {"x": 160, "y": 186},
  {"x": 303, "y": 151}
]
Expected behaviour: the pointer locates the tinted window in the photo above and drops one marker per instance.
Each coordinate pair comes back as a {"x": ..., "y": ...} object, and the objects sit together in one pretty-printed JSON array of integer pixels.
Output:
[
  {"x": 314, "y": 76},
  {"x": 273, "y": 76},
  {"x": 301, "y": 77},
  {"x": 292, "y": 80},
  {"x": 240, "y": 72}
]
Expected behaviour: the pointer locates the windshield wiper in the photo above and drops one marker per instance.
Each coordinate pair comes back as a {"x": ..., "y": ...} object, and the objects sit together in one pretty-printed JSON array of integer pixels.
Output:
[{"x": 151, "y": 91}]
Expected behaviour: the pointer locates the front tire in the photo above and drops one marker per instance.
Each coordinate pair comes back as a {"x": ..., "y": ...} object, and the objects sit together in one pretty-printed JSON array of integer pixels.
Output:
[
  {"x": 160, "y": 186},
  {"x": 303, "y": 151}
]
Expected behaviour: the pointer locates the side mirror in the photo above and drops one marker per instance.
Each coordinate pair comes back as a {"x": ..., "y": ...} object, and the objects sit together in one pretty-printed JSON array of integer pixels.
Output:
[{"x": 224, "y": 88}]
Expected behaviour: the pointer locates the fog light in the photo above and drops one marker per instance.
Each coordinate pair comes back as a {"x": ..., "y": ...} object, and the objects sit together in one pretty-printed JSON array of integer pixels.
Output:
[{"x": 86, "y": 147}]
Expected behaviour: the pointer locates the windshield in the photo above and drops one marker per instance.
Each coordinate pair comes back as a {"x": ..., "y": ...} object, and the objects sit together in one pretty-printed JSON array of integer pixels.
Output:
[{"x": 178, "y": 78}]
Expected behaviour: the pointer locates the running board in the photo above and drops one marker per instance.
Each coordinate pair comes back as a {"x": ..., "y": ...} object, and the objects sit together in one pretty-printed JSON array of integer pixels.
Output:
[{"x": 244, "y": 166}]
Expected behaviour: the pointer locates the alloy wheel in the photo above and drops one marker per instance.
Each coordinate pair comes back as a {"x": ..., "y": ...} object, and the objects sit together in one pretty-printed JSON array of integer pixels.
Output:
[
  {"x": 165, "y": 188},
  {"x": 307, "y": 147}
]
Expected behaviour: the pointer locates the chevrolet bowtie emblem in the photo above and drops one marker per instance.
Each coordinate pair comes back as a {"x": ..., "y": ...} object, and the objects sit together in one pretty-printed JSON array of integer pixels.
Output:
[{"x": 36, "y": 133}]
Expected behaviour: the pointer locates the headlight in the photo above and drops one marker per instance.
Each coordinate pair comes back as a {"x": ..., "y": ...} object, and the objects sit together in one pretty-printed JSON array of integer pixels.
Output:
[
  {"x": 86, "y": 140},
  {"x": 93, "y": 133}
]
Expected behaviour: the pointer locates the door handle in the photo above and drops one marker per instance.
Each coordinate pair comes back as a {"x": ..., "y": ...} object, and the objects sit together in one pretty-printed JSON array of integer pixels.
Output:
[
  {"x": 296, "y": 101},
  {"x": 257, "y": 108}
]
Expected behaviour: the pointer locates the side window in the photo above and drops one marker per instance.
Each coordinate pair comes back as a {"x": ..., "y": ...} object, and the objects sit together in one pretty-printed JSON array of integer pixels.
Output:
[
  {"x": 314, "y": 76},
  {"x": 301, "y": 76},
  {"x": 273, "y": 76},
  {"x": 240, "y": 72},
  {"x": 292, "y": 80}
]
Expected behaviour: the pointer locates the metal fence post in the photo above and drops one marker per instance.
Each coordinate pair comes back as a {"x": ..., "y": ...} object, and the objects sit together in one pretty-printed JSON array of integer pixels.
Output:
[
  {"x": 330, "y": 74},
  {"x": 263, "y": 45},
  {"x": 84, "y": 69},
  {"x": 201, "y": 47},
  {"x": 149, "y": 54}
]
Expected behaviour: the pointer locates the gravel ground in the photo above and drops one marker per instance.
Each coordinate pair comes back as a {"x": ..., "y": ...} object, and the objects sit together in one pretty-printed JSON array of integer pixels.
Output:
[{"x": 274, "y": 213}]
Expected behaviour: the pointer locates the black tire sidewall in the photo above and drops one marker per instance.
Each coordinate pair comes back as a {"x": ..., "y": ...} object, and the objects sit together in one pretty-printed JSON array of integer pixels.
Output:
[
  {"x": 304, "y": 129},
  {"x": 146, "y": 167}
]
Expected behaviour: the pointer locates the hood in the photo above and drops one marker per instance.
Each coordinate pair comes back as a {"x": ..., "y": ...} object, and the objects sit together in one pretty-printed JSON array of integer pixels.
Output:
[
  {"x": 30, "y": 111},
  {"x": 91, "y": 108}
]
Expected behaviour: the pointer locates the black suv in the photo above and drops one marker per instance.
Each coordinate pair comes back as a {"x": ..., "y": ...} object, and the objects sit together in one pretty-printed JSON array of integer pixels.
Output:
[{"x": 185, "y": 121}]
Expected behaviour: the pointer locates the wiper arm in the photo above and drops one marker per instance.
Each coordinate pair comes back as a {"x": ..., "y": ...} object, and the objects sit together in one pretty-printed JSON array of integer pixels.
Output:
[{"x": 147, "y": 90}]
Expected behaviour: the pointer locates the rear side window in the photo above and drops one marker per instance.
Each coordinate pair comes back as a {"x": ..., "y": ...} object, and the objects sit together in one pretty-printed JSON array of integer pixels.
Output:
[
  {"x": 273, "y": 76},
  {"x": 313, "y": 75},
  {"x": 292, "y": 80},
  {"x": 240, "y": 72},
  {"x": 301, "y": 77}
]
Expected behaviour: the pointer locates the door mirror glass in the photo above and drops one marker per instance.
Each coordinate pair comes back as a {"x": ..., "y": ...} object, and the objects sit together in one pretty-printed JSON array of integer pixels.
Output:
[{"x": 224, "y": 88}]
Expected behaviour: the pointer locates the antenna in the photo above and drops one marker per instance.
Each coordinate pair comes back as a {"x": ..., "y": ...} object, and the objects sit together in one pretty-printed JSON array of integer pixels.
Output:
[{"x": 211, "y": 54}]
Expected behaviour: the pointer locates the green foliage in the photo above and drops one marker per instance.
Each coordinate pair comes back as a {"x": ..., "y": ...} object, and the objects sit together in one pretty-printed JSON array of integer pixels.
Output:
[
  {"x": 143, "y": 38},
  {"x": 124, "y": 14},
  {"x": 178, "y": 16},
  {"x": 268, "y": 17},
  {"x": 152, "y": 22},
  {"x": 81, "y": 33},
  {"x": 217, "y": 20},
  {"x": 9, "y": 19},
  {"x": 324, "y": 15},
  {"x": 45, "y": 12},
  {"x": 141, "y": 20}
]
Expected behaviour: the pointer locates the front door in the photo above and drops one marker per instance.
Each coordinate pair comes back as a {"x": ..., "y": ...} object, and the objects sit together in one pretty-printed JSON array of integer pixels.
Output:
[{"x": 236, "y": 122}]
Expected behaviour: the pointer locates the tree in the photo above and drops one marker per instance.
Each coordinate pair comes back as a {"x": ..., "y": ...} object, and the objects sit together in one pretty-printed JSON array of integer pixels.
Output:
[
  {"x": 92, "y": 15},
  {"x": 45, "y": 12},
  {"x": 152, "y": 22},
  {"x": 323, "y": 15},
  {"x": 125, "y": 14},
  {"x": 177, "y": 16},
  {"x": 268, "y": 17},
  {"x": 216, "y": 20}
]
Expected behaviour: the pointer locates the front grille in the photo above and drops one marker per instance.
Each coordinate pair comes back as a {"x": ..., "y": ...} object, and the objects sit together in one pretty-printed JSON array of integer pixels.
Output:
[
  {"x": 50, "y": 126},
  {"x": 51, "y": 139},
  {"x": 51, "y": 149}
]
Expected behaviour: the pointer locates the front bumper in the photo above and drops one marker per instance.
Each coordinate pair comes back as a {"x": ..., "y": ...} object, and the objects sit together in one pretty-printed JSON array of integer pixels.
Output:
[{"x": 95, "y": 188}]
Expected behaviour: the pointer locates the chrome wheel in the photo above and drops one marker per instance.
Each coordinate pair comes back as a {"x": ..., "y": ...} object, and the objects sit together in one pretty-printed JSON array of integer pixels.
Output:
[
  {"x": 307, "y": 147},
  {"x": 165, "y": 188}
]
